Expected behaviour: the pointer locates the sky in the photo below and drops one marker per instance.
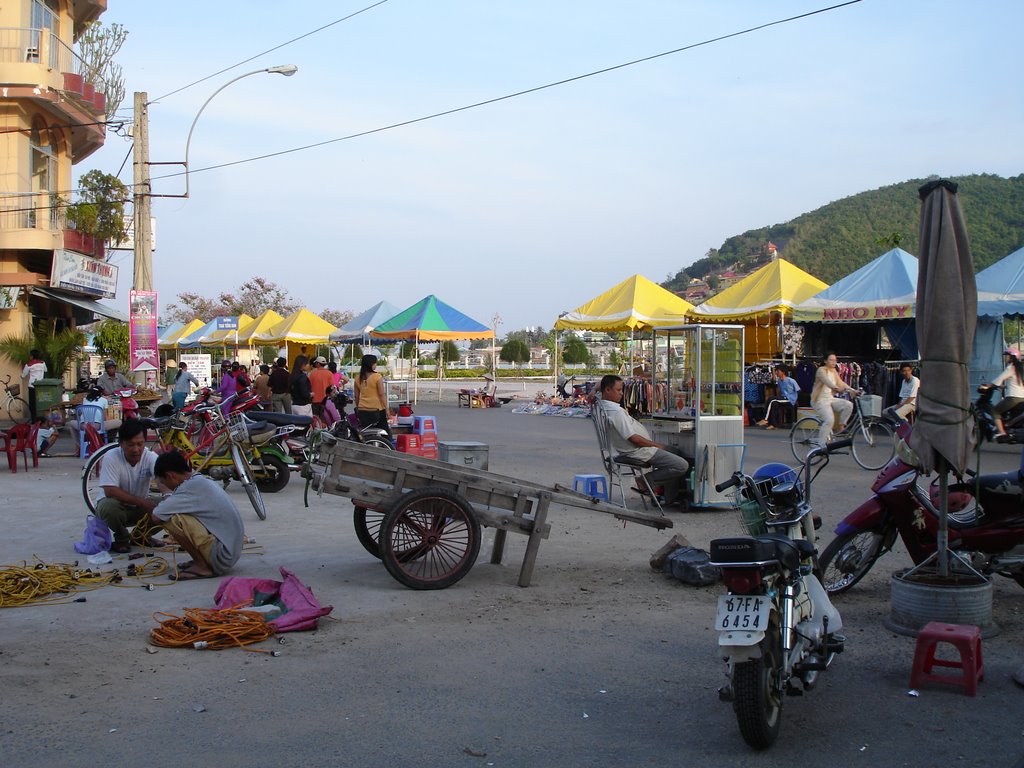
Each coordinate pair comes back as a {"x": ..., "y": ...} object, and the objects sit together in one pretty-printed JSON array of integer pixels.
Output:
[{"x": 534, "y": 205}]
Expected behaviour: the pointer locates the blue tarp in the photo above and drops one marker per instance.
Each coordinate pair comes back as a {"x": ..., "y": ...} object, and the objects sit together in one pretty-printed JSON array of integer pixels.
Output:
[
  {"x": 358, "y": 328},
  {"x": 1001, "y": 287}
]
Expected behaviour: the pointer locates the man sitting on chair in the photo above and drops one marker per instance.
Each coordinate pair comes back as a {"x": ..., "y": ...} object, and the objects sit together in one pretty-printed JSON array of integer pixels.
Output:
[
  {"x": 775, "y": 415},
  {"x": 631, "y": 439}
]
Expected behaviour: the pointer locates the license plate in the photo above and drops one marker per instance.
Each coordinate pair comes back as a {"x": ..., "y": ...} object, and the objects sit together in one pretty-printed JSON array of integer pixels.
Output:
[{"x": 739, "y": 612}]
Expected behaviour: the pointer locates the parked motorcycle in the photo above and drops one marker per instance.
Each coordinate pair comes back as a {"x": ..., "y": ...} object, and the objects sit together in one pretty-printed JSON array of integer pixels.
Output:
[
  {"x": 986, "y": 520},
  {"x": 777, "y": 627}
]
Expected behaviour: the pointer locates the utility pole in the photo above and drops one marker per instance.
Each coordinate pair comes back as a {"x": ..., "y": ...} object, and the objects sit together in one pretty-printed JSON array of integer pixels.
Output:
[
  {"x": 495, "y": 322},
  {"x": 142, "y": 279}
]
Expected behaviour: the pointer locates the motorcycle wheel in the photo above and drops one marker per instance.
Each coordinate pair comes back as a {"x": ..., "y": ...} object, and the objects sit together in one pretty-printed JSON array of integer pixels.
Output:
[
  {"x": 847, "y": 559},
  {"x": 874, "y": 444},
  {"x": 245, "y": 477},
  {"x": 274, "y": 475},
  {"x": 758, "y": 698},
  {"x": 367, "y": 523}
]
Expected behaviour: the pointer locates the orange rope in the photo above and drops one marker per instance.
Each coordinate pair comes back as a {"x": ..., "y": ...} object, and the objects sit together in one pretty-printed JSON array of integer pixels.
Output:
[{"x": 212, "y": 629}]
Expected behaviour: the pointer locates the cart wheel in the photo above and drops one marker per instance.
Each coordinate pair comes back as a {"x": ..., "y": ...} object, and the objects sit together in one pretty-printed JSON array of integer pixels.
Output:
[
  {"x": 367, "y": 523},
  {"x": 430, "y": 539}
]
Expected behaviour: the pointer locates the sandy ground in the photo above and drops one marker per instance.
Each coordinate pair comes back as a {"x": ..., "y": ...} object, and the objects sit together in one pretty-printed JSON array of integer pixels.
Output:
[{"x": 601, "y": 662}]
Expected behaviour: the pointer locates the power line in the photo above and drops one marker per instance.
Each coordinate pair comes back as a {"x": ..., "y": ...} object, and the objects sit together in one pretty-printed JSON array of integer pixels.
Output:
[
  {"x": 535, "y": 89},
  {"x": 270, "y": 50}
]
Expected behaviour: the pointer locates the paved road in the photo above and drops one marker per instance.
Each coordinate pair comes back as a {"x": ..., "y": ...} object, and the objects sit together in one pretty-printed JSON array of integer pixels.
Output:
[{"x": 600, "y": 663}]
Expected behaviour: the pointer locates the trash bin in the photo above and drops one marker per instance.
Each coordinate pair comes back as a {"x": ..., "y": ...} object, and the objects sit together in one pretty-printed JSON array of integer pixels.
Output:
[{"x": 48, "y": 394}]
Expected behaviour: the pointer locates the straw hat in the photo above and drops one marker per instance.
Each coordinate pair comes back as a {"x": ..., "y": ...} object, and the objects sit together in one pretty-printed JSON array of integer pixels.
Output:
[{"x": 488, "y": 377}]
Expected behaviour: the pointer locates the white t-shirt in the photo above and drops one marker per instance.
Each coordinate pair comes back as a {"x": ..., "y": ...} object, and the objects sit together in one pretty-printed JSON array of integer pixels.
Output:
[
  {"x": 909, "y": 388},
  {"x": 1012, "y": 387},
  {"x": 134, "y": 480},
  {"x": 620, "y": 427},
  {"x": 34, "y": 372}
]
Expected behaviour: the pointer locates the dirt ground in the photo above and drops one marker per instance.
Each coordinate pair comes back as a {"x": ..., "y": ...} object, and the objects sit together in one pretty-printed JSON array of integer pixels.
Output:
[{"x": 600, "y": 662}]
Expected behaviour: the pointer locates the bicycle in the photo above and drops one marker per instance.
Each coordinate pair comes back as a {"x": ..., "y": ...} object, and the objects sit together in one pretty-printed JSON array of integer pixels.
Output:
[
  {"x": 15, "y": 405},
  {"x": 874, "y": 439}
]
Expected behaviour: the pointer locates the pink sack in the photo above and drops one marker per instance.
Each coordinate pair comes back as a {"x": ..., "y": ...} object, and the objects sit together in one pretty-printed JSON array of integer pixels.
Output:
[{"x": 297, "y": 608}]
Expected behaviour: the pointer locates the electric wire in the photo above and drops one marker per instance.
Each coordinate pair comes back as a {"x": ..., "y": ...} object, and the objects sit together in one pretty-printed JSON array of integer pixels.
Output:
[
  {"x": 212, "y": 629},
  {"x": 271, "y": 50},
  {"x": 516, "y": 94}
]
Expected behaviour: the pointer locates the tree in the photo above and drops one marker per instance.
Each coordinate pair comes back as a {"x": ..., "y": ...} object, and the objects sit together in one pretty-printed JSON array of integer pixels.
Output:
[
  {"x": 575, "y": 351},
  {"x": 97, "y": 48},
  {"x": 99, "y": 210},
  {"x": 409, "y": 351},
  {"x": 253, "y": 297},
  {"x": 351, "y": 354},
  {"x": 515, "y": 352},
  {"x": 448, "y": 353},
  {"x": 56, "y": 349},
  {"x": 336, "y": 317},
  {"x": 111, "y": 340}
]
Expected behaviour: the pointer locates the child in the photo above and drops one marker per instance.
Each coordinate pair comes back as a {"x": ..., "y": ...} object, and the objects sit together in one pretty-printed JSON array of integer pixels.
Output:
[{"x": 46, "y": 438}]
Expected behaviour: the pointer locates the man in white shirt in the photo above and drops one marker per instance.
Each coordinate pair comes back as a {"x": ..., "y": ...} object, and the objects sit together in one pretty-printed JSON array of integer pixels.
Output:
[
  {"x": 908, "y": 392},
  {"x": 125, "y": 478},
  {"x": 630, "y": 438}
]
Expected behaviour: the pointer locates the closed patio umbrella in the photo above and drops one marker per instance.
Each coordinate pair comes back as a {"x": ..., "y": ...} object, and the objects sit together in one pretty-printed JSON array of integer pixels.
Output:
[{"x": 947, "y": 303}]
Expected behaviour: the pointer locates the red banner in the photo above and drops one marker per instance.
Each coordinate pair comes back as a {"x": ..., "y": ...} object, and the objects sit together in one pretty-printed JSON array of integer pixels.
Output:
[{"x": 142, "y": 333}]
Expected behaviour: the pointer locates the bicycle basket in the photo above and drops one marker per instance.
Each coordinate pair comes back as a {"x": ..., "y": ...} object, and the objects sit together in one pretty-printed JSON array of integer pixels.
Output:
[
  {"x": 237, "y": 428},
  {"x": 14, "y": 389},
  {"x": 751, "y": 515},
  {"x": 754, "y": 514}
]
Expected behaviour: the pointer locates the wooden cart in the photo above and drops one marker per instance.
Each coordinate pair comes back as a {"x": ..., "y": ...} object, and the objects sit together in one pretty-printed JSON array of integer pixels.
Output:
[{"x": 423, "y": 517}]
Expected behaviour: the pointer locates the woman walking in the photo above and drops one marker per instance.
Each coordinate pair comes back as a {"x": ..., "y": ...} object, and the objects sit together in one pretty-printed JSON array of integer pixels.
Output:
[{"x": 183, "y": 383}]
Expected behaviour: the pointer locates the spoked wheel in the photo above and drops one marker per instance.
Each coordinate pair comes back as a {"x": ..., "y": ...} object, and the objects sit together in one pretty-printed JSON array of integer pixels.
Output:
[
  {"x": 18, "y": 411},
  {"x": 378, "y": 442},
  {"x": 874, "y": 444},
  {"x": 245, "y": 477},
  {"x": 91, "y": 476},
  {"x": 430, "y": 539},
  {"x": 273, "y": 476},
  {"x": 848, "y": 559},
  {"x": 757, "y": 687},
  {"x": 803, "y": 436},
  {"x": 367, "y": 523}
]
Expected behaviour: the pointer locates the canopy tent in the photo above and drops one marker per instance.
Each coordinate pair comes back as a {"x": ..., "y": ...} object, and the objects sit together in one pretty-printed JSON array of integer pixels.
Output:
[
  {"x": 882, "y": 289},
  {"x": 263, "y": 322},
  {"x": 358, "y": 328},
  {"x": 170, "y": 340},
  {"x": 634, "y": 304},
  {"x": 1001, "y": 287},
  {"x": 430, "y": 319},
  {"x": 300, "y": 327},
  {"x": 225, "y": 337},
  {"x": 762, "y": 301},
  {"x": 208, "y": 335},
  {"x": 171, "y": 331}
]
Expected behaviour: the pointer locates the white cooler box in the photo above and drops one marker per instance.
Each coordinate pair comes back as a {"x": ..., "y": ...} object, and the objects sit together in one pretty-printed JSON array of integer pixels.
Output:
[{"x": 463, "y": 453}]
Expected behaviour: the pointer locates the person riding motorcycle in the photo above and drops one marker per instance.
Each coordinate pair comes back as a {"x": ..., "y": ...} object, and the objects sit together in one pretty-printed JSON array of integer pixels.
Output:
[{"x": 1013, "y": 389}]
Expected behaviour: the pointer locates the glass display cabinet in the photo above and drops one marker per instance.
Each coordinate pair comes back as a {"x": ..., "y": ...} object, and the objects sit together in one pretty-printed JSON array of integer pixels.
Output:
[{"x": 697, "y": 402}]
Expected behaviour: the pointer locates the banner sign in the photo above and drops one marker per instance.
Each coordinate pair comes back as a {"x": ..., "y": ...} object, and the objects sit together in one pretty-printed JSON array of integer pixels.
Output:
[
  {"x": 853, "y": 314},
  {"x": 83, "y": 274},
  {"x": 227, "y": 323},
  {"x": 198, "y": 366},
  {"x": 142, "y": 333}
]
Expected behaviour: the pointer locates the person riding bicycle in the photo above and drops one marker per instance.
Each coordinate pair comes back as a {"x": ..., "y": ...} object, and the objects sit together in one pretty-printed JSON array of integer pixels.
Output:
[
  {"x": 1013, "y": 389},
  {"x": 827, "y": 407}
]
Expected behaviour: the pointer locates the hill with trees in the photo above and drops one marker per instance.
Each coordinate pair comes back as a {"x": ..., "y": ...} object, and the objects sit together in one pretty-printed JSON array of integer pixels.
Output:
[{"x": 839, "y": 238}]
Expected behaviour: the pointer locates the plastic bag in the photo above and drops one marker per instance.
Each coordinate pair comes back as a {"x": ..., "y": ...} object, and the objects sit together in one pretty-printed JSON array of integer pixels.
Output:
[
  {"x": 692, "y": 566},
  {"x": 96, "y": 538}
]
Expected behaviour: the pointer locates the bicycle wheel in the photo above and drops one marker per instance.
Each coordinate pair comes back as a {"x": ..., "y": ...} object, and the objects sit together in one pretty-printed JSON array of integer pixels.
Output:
[
  {"x": 17, "y": 411},
  {"x": 430, "y": 539},
  {"x": 804, "y": 436},
  {"x": 245, "y": 476},
  {"x": 367, "y": 523},
  {"x": 874, "y": 444},
  {"x": 91, "y": 477}
]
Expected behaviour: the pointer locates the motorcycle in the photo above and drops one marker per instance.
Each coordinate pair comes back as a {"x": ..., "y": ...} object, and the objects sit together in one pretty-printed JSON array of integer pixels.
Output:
[
  {"x": 1012, "y": 420},
  {"x": 777, "y": 627},
  {"x": 986, "y": 518}
]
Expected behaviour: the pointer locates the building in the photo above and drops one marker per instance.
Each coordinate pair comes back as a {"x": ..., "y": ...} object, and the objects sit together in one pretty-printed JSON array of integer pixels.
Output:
[{"x": 52, "y": 119}]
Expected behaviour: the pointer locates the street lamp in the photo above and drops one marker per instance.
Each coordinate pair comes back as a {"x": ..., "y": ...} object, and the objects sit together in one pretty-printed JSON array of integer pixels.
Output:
[{"x": 285, "y": 69}]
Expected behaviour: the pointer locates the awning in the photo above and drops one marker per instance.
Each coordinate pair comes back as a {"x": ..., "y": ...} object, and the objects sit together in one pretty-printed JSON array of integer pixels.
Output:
[{"x": 76, "y": 301}]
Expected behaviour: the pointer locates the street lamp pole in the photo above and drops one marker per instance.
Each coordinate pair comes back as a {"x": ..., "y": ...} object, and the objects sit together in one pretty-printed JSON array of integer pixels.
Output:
[{"x": 143, "y": 196}]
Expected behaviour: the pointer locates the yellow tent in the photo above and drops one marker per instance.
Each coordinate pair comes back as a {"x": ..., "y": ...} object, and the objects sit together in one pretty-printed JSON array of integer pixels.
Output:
[
  {"x": 171, "y": 342},
  {"x": 300, "y": 327},
  {"x": 762, "y": 302},
  {"x": 261, "y": 324},
  {"x": 227, "y": 338},
  {"x": 634, "y": 304}
]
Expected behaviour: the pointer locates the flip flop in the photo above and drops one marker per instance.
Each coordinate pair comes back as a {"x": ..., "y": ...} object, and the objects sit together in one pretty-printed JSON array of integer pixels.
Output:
[
  {"x": 186, "y": 565},
  {"x": 189, "y": 576}
]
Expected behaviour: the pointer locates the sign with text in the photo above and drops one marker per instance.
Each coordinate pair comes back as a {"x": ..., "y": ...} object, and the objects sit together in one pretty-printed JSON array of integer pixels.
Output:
[
  {"x": 227, "y": 323},
  {"x": 198, "y": 366},
  {"x": 83, "y": 274},
  {"x": 142, "y": 333},
  {"x": 854, "y": 314}
]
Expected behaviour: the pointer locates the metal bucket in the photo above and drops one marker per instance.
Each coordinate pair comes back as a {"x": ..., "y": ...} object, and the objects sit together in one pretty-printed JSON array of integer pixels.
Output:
[{"x": 924, "y": 598}]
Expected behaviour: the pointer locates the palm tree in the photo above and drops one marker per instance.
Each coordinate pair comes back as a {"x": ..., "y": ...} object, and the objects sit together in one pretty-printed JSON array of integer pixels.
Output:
[{"x": 57, "y": 350}]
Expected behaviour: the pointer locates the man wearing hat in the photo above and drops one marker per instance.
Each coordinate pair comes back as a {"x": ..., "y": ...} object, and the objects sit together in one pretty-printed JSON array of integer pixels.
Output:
[
  {"x": 320, "y": 378},
  {"x": 112, "y": 381}
]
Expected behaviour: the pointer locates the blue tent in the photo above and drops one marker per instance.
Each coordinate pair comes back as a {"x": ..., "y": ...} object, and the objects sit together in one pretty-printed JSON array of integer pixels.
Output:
[
  {"x": 1001, "y": 287},
  {"x": 883, "y": 289},
  {"x": 164, "y": 334},
  {"x": 198, "y": 338},
  {"x": 358, "y": 328}
]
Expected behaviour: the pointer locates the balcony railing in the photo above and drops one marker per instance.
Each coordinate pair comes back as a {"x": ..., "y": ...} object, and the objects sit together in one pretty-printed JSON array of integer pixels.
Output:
[
  {"x": 18, "y": 46},
  {"x": 30, "y": 210}
]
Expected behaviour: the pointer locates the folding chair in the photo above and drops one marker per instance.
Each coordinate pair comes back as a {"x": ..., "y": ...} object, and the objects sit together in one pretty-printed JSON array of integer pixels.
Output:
[
  {"x": 90, "y": 415},
  {"x": 616, "y": 466}
]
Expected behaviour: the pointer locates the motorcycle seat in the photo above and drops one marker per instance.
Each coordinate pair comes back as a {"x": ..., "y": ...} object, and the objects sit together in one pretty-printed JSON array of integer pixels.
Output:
[
  {"x": 283, "y": 419},
  {"x": 760, "y": 549}
]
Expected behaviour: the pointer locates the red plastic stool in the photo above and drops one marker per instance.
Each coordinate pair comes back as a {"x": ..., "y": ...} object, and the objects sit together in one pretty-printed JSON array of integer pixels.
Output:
[{"x": 966, "y": 638}]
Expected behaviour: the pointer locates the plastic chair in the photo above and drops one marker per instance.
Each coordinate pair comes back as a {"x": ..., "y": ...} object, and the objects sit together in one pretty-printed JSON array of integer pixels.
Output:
[
  {"x": 90, "y": 415},
  {"x": 21, "y": 438},
  {"x": 616, "y": 466}
]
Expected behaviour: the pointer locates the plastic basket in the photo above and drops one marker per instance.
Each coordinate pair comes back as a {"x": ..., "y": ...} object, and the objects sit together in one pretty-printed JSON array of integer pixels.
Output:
[
  {"x": 237, "y": 428},
  {"x": 752, "y": 517},
  {"x": 14, "y": 389},
  {"x": 870, "y": 405}
]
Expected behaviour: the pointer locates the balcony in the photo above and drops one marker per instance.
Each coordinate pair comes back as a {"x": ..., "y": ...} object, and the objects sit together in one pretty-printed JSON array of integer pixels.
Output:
[
  {"x": 29, "y": 222},
  {"x": 37, "y": 66}
]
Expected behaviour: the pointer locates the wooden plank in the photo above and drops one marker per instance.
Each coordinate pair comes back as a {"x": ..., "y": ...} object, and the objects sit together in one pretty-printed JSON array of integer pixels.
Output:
[{"x": 533, "y": 545}]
